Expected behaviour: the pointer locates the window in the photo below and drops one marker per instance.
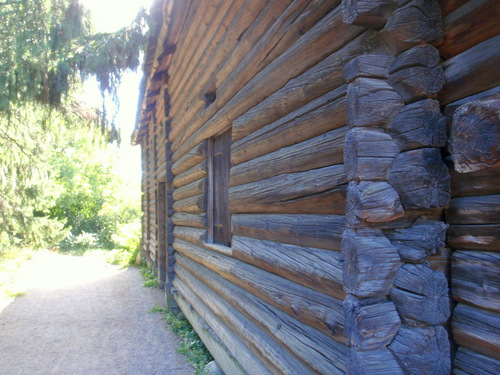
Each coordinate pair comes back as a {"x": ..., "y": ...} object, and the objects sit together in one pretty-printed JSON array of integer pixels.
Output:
[{"x": 219, "y": 220}]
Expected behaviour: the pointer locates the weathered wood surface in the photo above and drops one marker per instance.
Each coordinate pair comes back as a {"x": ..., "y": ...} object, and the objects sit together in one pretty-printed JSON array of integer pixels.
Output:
[
  {"x": 422, "y": 350},
  {"x": 475, "y": 136},
  {"x": 275, "y": 357},
  {"x": 422, "y": 239},
  {"x": 476, "y": 278},
  {"x": 477, "y": 329},
  {"x": 422, "y": 55},
  {"x": 373, "y": 362},
  {"x": 369, "y": 154},
  {"x": 371, "y": 262},
  {"x": 475, "y": 237},
  {"x": 320, "y": 116},
  {"x": 473, "y": 66},
  {"x": 417, "y": 82},
  {"x": 195, "y": 204},
  {"x": 317, "y": 269},
  {"x": 493, "y": 93},
  {"x": 371, "y": 323},
  {"x": 190, "y": 220},
  {"x": 315, "y": 349},
  {"x": 189, "y": 190},
  {"x": 322, "y": 151},
  {"x": 307, "y": 305},
  {"x": 369, "y": 66},
  {"x": 474, "y": 210},
  {"x": 292, "y": 190},
  {"x": 320, "y": 231},
  {"x": 371, "y": 102},
  {"x": 421, "y": 179},
  {"x": 484, "y": 182},
  {"x": 193, "y": 235},
  {"x": 421, "y": 295},
  {"x": 469, "y": 25},
  {"x": 469, "y": 362},
  {"x": 322, "y": 78},
  {"x": 372, "y": 202},
  {"x": 419, "y": 124},
  {"x": 367, "y": 12},
  {"x": 233, "y": 342},
  {"x": 193, "y": 157},
  {"x": 192, "y": 174},
  {"x": 325, "y": 37}
]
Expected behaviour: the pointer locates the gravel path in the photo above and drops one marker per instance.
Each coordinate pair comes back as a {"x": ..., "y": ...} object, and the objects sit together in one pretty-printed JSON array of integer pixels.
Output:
[{"x": 83, "y": 316}]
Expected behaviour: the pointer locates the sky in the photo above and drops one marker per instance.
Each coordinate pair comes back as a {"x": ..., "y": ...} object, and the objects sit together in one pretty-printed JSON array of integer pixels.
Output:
[{"x": 109, "y": 16}]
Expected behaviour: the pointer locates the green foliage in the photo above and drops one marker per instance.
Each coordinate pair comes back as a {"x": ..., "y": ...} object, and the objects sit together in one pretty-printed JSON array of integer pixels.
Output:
[
  {"x": 191, "y": 346},
  {"x": 149, "y": 279}
]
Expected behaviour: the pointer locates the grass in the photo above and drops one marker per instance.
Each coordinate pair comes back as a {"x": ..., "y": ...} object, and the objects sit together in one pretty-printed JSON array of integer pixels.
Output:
[
  {"x": 191, "y": 346},
  {"x": 11, "y": 260},
  {"x": 149, "y": 279}
]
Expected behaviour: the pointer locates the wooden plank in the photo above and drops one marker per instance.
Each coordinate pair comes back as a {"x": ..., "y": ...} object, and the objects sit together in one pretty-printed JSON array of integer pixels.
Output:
[
  {"x": 189, "y": 190},
  {"x": 477, "y": 329},
  {"x": 493, "y": 93},
  {"x": 190, "y": 220},
  {"x": 475, "y": 237},
  {"x": 314, "y": 348},
  {"x": 193, "y": 235},
  {"x": 234, "y": 344},
  {"x": 307, "y": 305},
  {"x": 473, "y": 66},
  {"x": 192, "y": 174},
  {"x": 475, "y": 136},
  {"x": 422, "y": 350},
  {"x": 320, "y": 231},
  {"x": 476, "y": 278},
  {"x": 469, "y": 25},
  {"x": 484, "y": 182},
  {"x": 324, "y": 150},
  {"x": 260, "y": 196},
  {"x": 195, "y": 156},
  {"x": 474, "y": 210},
  {"x": 195, "y": 204},
  {"x": 469, "y": 362},
  {"x": 421, "y": 295},
  {"x": 317, "y": 269},
  {"x": 320, "y": 116}
]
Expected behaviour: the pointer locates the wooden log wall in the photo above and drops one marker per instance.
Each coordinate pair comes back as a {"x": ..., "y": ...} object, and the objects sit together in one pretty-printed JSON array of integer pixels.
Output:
[
  {"x": 398, "y": 187},
  {"x": 471, "y": 103},
  {"x": 338, "y": 260}
]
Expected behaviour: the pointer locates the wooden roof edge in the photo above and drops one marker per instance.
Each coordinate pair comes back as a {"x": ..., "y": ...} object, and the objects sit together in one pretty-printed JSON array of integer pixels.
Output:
[{"x": 171, "y": 14}]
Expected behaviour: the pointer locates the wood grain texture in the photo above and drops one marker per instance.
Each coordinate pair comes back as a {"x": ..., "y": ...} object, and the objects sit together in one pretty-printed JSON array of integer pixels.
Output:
[
  {"x": 423, "y": 55},
  {"x": 192, "y": 174},
  {"x": 190, "y": 220},
  {"x": 484, "y": 182},
  {"x": 195, "y": 156},
  {"x": 195, "y": 204},
  {"x": 373, "y": 362},
  {"x": 367, "y": 12},
  {"x": 475, "y": 237},
  {"x": 189, "y": 190},
  {"x": 474, "y": 210},
  {"x": 417, "y": 82},
  {"x": 469, "y": 362},
  {"x": 368, "y": 66}
]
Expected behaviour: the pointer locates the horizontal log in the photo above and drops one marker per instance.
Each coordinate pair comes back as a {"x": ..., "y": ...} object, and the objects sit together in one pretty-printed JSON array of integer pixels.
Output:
[
  {"x": 189, "y": 190},
  {"x": 421, "y": 179},
  {"x": 469, "y": 362},
  {"x": 423, "y": 239},
  {"x": 422, "y": 350},
  {"x": 324, "y": 150},
  {"x": 322, "y": 78},
  {"x": 373, "y": 362},
  {"x": 372, "y": 202},
  {"x": 196, "y": 204},
  {"x": 475, "y": 135},
  {"x": 476, "y": 278},
  {"x": 474, "y": 67},
  {"x": 371, "y": 323},
  {"x": 317, "y": 269},
  {"x": 422, "y": 55},
  {"x": 234, "y": 344},
  {"x": 193, "y": 235},
  {"x": 192, "y": 174},
  {"x": 367, "y": 12},
  {"x": 314, "y": 119},
  {"x": 259, "y": 196},
  {"x": 309, "y": 306},
  {"x": 195, "y": 156},
  {"x": 474, "y": 210},
  {"x": 320, "y": 231},
  {"x": 370, "y": 264},
  {"x": 493, "y": 93},
  {"x": 312, "y": 347},
  {"x": 421, "y": 295},
  {"x": 190, "y": 220},
  {"x": 484, "y": 182},
  {"x": 371, "y": 102},
  {"x": 475, "y": 237},
  {"x": 369, "y": 154},
  {"x": 275, "y": 357},
  {"x": 469, "y": 25},
  {"x": 477, "y": 329},
  {"x": 369, "y": 66},
  {"x": 418, "y": 125}
]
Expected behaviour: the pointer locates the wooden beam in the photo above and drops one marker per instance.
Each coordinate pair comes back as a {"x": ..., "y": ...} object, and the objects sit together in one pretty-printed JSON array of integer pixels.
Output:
[
  {"x": 195, "y": 204},
  {"x": 192, "y": 174},
  {"x": 195, "y": 156},
  {"x": 367, "y": 12},
  {"x": 190, "y": 220},
  {"x": 475, "y": 237},
  {"x": 189, "y": 190},
  {"x": 484, "y": 209},
  {"x": 373, "y": 362},
  {"x": 484, "y": 182},
  {"x": 469, "y": 362}
]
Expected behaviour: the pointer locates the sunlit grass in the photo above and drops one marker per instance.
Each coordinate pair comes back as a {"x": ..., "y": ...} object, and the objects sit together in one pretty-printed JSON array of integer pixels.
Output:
[{"x": 11, "y": 261}]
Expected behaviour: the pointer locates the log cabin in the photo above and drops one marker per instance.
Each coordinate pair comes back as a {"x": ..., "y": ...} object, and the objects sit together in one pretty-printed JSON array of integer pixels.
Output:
[{"x": 321, "y": 181}]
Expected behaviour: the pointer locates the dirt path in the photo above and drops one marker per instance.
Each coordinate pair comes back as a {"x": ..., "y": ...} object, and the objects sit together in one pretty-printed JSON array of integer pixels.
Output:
[{"x": 83, "y": 316}]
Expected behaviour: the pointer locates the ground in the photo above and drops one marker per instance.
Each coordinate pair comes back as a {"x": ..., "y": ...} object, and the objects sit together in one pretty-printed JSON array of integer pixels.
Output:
[{"x": 80, "y": 315}]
